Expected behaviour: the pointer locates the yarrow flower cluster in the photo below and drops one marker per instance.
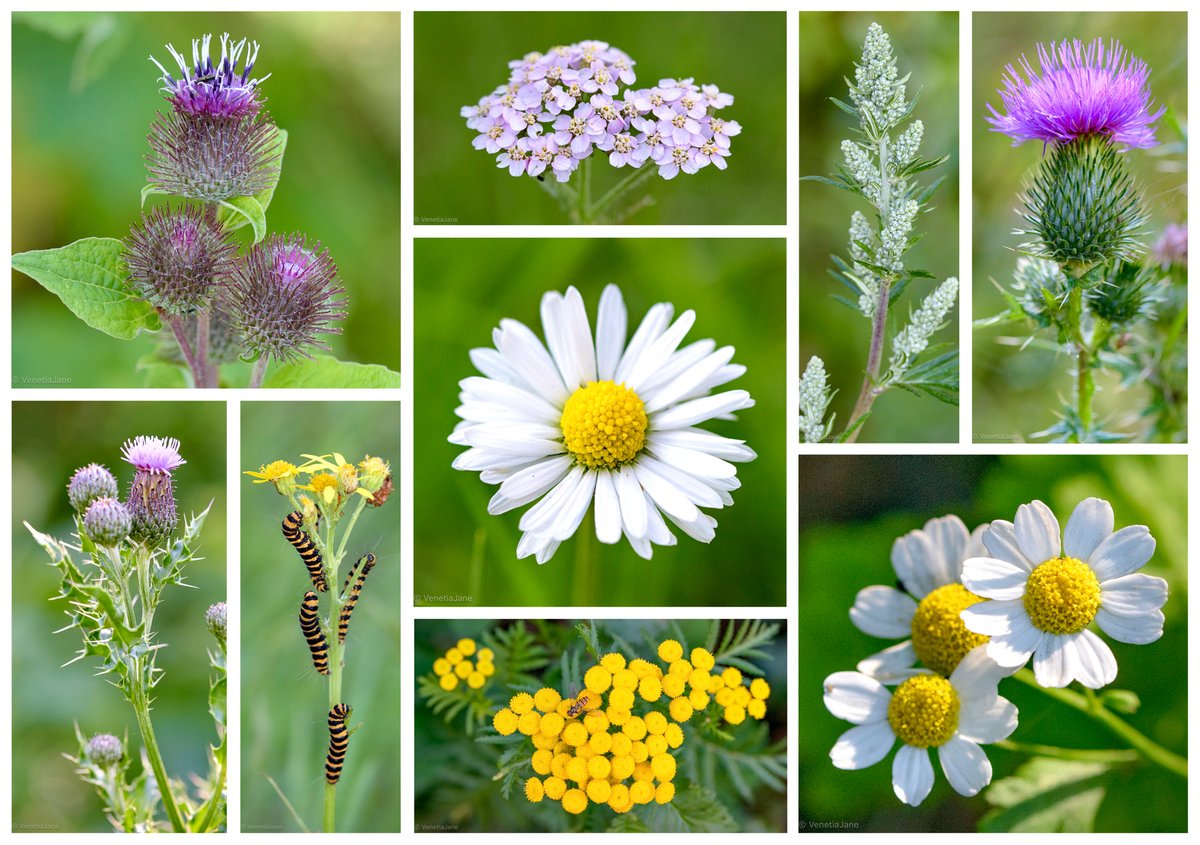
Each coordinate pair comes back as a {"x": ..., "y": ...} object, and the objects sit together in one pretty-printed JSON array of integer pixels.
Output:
[
  {"x": 456, "y": 666},
  {"x": 559, "y": 107},
  {"x": 612, "y": 743},
  {"x": 967, "y": 621},
  {"x": 611, "y": 420}
]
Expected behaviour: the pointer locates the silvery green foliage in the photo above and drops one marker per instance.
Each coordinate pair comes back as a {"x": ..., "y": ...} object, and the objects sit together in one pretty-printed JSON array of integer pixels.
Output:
[
  {"x": 880, "y": 164},
  {"x": 814, "y": 402}
]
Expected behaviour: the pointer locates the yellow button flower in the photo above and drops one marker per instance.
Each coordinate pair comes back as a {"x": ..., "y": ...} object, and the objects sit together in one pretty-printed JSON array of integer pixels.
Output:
[
  {"x": 663, "y": 766},
  {"x": 552, "y": 725},
  {"x": 757, "y": 708},
  {"x": 618, "y": 717},
  {"x": 601, "y": 743},
  {"x": 622, "y": 766},
  {"x": 529, "y": 723},
  {"x": 448, "y": 681},
  {"x": 540, "y": 740},
  {"x": 650, "y": 688},
  {"x": 577, "y": 770},
  {"x": 642, "y": 792},
  {"x": 464, "y": 669},
  {"x": 558, "y": 766},
  {"x": 656, "y": 744},
  {"x": 621, "y": 698},
  {"x": 599, "y": 791},
  {"x": 635, "y": 728},
  {"x": 597, "y": 679},
  {"x": 674, "y": 736},
  {"x": 760, "y": 689},
  {"x": 735, "y": 714},
  {"x": 546, "y": 699},
  {"x": 521, "y": 703},
  {"x": 732, "y": 676},
  {"x": 596, "y": 721},
  {"x": 555, "y": 787},
  {"x": 466, "y": 646},
  {"x": 476, "y": 680},
  {"x": 485, "y": 668},
  {"x": 638, "y": 752},
  {"x": 642, "y": 668},
  {"x": 534, "y": 790},
  {"x": 625, "y": 679},
  {"x": 613, "y": 661},
  {"x": 699, "y": 699},
  {"x": 575, "y": 734},
  {"x": 656, "y": 722},
  {"x": 643, "y": 771},
  {"x": 454, "y": 656},
  {"x": 741, "y": 696},
  {"x": 669, "y": 651},
  {"x": 541, "y": 761},
  {"x": 621, "y": 743},
  {"x": 673, "y": 685},
  {"x": 703, "y": 660},
  {"x": 574, "y": 801},
  {"x": 485, "y": 655},
  {"x": 681, "y": 709},
  {"x": 700, "y": 680},
  {"x": 505, "y": 721},
  {"x": 619, "y": 800},
  {"x": 664, "y": 793},
  {"x": 599, "y": 767},
  {"x": 681, "y": 668},
  {"x": 441, "y": 666}
]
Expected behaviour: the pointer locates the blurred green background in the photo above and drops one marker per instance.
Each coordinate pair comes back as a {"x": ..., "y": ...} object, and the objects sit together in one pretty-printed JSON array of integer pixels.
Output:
[
  {"x": 926, "y": 45},
  {"x": 284, "y": 701},
  {"x": 463, "y": 56},
  {"x": 454, "y": 782},
  {"x": 852, "y": 508},
  {"x": 1016, "y": 389},
  {"x": 84, "y": 96},
  {"x": 463, "y": 288},
  {"x": 47, "y": 699}
]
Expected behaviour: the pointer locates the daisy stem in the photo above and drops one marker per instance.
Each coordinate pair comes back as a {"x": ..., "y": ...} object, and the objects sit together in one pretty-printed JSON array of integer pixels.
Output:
[
  {"x": 259, "y": 371},
  {"x": 1087, "y": 755},
  {"x": 585, "y": 556},
  {"x": 1092, "y": 706}
]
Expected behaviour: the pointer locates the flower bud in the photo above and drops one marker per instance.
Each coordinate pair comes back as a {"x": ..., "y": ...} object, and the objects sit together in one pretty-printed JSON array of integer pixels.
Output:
[
  {"x": 177, "y": 258},
  {"x": 107, "y": 521},
  {"x": 208, "y": 158},
  {"x": 216, "y": 617},
  {"x": 88, "y": 484},
  {"x": 347, "y": 479},
  {"x": 104, "y": 750},
  {"x": 373, "y": 472},
  {"x": 152, "y": 495}
]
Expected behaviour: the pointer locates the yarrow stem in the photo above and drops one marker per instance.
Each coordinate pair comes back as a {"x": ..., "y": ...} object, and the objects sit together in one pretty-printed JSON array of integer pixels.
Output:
[
  {"x": 1094, "y": 708},
  {"x": 639, "y": 175}
]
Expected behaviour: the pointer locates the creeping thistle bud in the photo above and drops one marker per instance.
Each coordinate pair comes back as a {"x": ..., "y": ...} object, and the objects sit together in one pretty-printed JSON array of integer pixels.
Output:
[
  {"x": 88, "y": 484},
  {"x": 216, "y": 618},
  {"x": 104, "y": 750},
  {"x": 107, "y": 521},
  {"x": 151, "y": 495},
  {"x": 177, "y": 258}
]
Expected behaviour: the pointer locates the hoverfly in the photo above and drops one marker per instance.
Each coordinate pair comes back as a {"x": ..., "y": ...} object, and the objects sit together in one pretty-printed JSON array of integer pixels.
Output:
[{"x": 578, "y": 705}]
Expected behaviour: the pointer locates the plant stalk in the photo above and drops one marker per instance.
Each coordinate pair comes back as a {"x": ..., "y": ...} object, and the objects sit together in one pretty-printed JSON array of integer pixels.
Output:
[
  {"x": 141, "y": 707},
  {"x": 626, "y": 184},
  {"x": 585, "y": 556},
  {"x": 202, "y": 321},
  {"x": 194, "y": 365},
  {"x": 868, "y": 393},
  {"x": 259, "y": 372}
]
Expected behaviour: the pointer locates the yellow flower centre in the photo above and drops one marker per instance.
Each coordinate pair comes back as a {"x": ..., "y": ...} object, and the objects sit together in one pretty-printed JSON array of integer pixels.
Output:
[
  {"x": 923, "y": 711},
  {"x": 1062, "y": 596},
  {"x": 939, "y": 636},
  {"x": 324, "y": 481},
  {"x": 604, "y": 425}
]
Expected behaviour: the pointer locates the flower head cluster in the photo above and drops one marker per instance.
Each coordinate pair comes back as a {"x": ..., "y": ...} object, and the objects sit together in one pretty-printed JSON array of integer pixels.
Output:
[
  {"x": 208, "y": 88},
  {"x": 216, "y": 618},
  {"x": 456, "y": 666},
  {"x": 558, "y": 107},
  {"x": 331, "y": 478},
  {"x": 878, "y": 91},
  {"x": 152, "y": 494},
  {"x": 612, "y": 743},
  {"x": 814, "y": 402},
  {"x": 177, "y": 259},
  {"x": 1083, "y": 90},
  {"x": 931, "y": 316}
]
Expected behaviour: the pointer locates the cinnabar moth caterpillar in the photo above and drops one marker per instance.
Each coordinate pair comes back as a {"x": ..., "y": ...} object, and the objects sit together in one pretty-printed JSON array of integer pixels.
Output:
[
  {"x": 294, "y": 533},
  {"x": 339, "y": 741},
  {"x": 367, "y": 561},
  {"x": 311, "y": 628}
]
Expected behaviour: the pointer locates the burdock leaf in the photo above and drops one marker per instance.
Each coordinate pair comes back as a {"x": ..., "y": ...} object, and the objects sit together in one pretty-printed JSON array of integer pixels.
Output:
[
  {"x": 243, "y": 210},
  {"x": 91, "y": 279},
  {"x": 231, "y": 219},
  {"x": 327, "y": 371}
]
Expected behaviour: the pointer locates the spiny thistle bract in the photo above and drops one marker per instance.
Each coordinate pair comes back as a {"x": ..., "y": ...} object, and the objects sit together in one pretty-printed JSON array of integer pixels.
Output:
[
  {"x": 178, "y": 258},
  {"x": 283, "y": 296}
]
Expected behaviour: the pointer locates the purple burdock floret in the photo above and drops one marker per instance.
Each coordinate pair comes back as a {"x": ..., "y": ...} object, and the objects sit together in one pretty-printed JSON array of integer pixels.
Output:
[
  {"x": 177, "y": 259},
  {"x": 88, "y": 484},
  {"x": 151, "y": 494},
  {"x": 205, "y": 87},
  {"x": 1082, "y": 91},
  {"x": 283, "y": 295}
]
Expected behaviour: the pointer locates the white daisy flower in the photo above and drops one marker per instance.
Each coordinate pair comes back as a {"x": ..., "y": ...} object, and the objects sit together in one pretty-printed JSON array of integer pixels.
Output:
[
  {"x": 1044, "y": 594},
  {"x": 611, "y": 421},
  {"x": 955, "y": 715},
  {"x": 925, "y": 614}
]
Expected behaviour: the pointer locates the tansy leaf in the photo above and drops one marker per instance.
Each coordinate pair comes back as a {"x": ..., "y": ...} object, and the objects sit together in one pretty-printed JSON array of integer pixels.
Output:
[
  {"x": 327, "y": 371},
  {"x": 91, "y": 279}
]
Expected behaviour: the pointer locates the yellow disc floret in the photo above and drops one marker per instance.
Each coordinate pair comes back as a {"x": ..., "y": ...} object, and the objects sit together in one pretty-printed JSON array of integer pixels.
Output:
[
  {"x": 505, "y": 721},
  {"x": 604, "y": 425},
  {"x": 923, "y": 711},
  {"x": 939, "y": 636},
  {"x": 1062, "y": 596}
]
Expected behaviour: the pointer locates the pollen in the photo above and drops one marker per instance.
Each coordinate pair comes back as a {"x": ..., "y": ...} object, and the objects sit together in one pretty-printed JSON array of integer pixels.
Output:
[
  {"x": 604, "y": 425},
  {"x": 1062, "y": 596},
  {"x": 939, "y": 636},
  {"x": 923, "y": 711}
]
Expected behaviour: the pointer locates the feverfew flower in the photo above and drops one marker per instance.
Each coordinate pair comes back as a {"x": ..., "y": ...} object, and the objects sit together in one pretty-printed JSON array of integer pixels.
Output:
[
  {"x": 1047, "y": 591},
  {"x": 925, "y": 613},
  {"x": 610, "y": 421},
  {"x": 1082, "y": 91},
  {"x": 955, "y": 715}
]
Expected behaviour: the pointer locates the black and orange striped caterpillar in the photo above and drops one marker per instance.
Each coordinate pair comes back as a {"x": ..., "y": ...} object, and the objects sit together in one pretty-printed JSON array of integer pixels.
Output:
[
  {"x": 339, "y": 741},
  {"x": 366, "y": 562},
  {"x": 311, "y": 628},
  {"x": 295, "y": 534}
]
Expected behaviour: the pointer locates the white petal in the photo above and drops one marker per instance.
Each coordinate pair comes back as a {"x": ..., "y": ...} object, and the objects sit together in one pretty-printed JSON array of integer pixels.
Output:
[
  {"x": 1096, "y": 665},
  {"x": 574, "y": 508},
  {"x": 681, "y": 360},
  {"x": 517, "y": 399},
  {"x": 992, "y": 617},
  {"x": 915, "y": 561},
  {"x": 699, "y": 410},
  {"x": 988, "y": 719},
  {"x": 975, "y": 546},
  {"x": 912, "y": 775},
  {"x": 693, "y": 462},
  {"x": 608, "y": 509},
  {"x": 1037, "y": 532},
  {"x": 1053, "y": 662},
  {"x": 565, "y": 322},
  {"x": 493, "y": 365},
  {"x": 524, "y": 486},
  {"x": 539, "y": 518},
  {"x": 515, "y": 438},
  {"x": 1090, "y": 522},
  {"x": 1001, "y": 542},
  {"x": 993, "y": 578},
  {"x": 949, "y": 537},
  {"x": 725, "y": 448},
  {"x": 702, "y": 529},
  {"x": 538, "y": 545},
  {"x": 666, "y": 495},
  {"x": 647, "y": 332},
  {"x": 863, "y": 746},
  {"x": 657, "y": 531},
  {"x": 856, "y": 698},
  {"x": 967, "y": 768},
  {"x": 689, "y": 380},
  {"x": 657, "y": 353},
  {"x": 883, "y": 612},
  {"x": 976, "y": 675},
  {"x": 1123, "y": 552},
  {"x": 610, "y": 332},
  {"x": 892, "y": 664},
  {"x": 527, "y": 356},
  {"x": 699, "y": 491},
  {"x": 1130, "y": 608},
  {"x": 1015, "y": 647},
  {"x": 633, "y": 503}
]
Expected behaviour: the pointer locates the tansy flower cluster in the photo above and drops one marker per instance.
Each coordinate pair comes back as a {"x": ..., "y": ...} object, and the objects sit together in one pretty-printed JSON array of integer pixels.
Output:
[
  {"x": 560, "y": 106},
  {"x": 457, "y": 665},
  {"x": 613, "y": 743}
]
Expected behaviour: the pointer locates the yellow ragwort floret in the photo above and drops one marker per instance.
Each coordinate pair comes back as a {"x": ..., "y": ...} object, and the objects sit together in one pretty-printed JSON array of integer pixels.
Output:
[
  {"x": 613, "y": 661},
  {"x": 466, "y": 646},
  {"x": 546, "y": 699},
  {"x": 760, "y": 689},
  {"x": 555, "y": 788},
  {"x": 663, "y": 766},
  {"x": 635, "y": 728},
  {"x": 521, "y": 703},
  {"x": 448, "y": 681},
  {"x": 681, "y": 709},
  {"x": 441, "y": 666},
  {"x": 642, "y": 792},
  {"x": 529, "y": 723},
  {"x": 650, "y": 688},
  {"x": 505, "y": 722},
  {"x": 702, "y": 659},
  {"x": 599, "y": 791},
  {"x": 541, "y": 760},
  {"x": 597, "y": 679},
  {"x": 735, "y": 714},
  {"x": 664, "y": 793}
]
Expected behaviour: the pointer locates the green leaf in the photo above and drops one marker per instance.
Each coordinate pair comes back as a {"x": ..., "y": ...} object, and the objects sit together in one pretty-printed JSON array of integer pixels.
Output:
[
  {"x": 853, "y": 428},
  {"x": 233, "y": 219},
  {"x": 149, "y": 191},
  {"x": 701, "y": 812},
  {"x": 327, "y": 371},
  {"x": 628, "y": 823},
  {"x": 246, "y": 210},
  {"x": 161, "y": 372},
  {"x": 91, "y": 279},
  {"x": 1047, "y": 795},
  {"x": 1121, "y": 700},
  {"x": 217, "y": 699}
]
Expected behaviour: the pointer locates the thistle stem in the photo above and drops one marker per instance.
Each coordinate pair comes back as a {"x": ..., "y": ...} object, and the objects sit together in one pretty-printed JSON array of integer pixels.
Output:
[
  {"x": 259, "y": 371},
  {"x": 868, "y": 393},
  {"x": 180, "y": 332},
  {"x": 1085, "y": 385},
  {"x": 638, "y": 175},
  {"x": 1091, "y": 706},
  {"x": 141, "y": 707},
  {"x": 202, "y": 319}
]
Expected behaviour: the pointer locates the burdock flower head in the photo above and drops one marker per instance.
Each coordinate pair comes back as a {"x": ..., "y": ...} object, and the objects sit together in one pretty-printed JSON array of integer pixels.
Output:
[
  {"x": 151, "y": 495},
  {"x": 283, "y": 295},
  {"x": 88, "y": 484},
  {"x": 1082, "y": 91},
  {"x": 217, "y": 142},
  {"x": 177, "y": 258}
]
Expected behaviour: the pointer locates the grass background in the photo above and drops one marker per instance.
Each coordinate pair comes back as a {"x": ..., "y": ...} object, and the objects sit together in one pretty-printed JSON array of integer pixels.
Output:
[
  {"x": 463, "y": 288},
  {"x": 852, "y": 508},
  {"x": 461, "y": 56},
  {"x": 284, "y": 701},
  {"x": 925, "y": 45},
  {"x": 84, "y": 96},
  {"x": 1016, "y": 390},
  {"x": 47, "y": 697}
]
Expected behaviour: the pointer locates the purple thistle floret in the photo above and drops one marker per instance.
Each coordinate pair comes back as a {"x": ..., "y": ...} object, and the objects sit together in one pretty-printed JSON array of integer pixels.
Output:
[
  {"x": 177, "y": 259},
  {"x": 283, "y": 295},
  {"x": 152, "y": 494},
  {"x": 153, "y": 454},
  {"x": 1082, "y": 91},
  {"x": 214, "y": 89}
]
